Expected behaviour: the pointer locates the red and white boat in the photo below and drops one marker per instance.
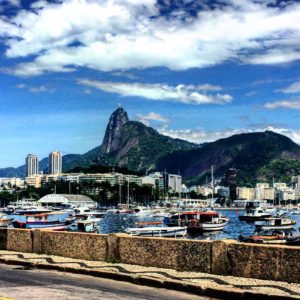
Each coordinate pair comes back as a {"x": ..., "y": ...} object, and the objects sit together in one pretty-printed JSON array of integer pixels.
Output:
[{"x": 198, "y": 220}]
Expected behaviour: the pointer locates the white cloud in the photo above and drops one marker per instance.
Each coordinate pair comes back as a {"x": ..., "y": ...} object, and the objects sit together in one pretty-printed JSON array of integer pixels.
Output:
[
  {"x": 290, "y": 104},
  {"x": 200, "y": 136},
  {"x": 146, "y": 119},
  {"x": 113, "y": 35},
  {"x": 16, "y": 3},
  {"x": 291, "y": 89},
  {"x": 34, "y": 89},
  {"x": 159, "y": 92}
]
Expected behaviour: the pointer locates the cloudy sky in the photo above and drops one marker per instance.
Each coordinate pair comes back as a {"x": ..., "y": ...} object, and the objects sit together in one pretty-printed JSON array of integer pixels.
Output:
[{"x": 197, "y": 70}]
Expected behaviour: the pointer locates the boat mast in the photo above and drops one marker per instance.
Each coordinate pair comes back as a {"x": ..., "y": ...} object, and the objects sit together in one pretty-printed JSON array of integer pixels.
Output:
[
  {"x": 120, "y": 190},
  {"x": 128, "y": 191},
  {"x": 212, "y": 184}
]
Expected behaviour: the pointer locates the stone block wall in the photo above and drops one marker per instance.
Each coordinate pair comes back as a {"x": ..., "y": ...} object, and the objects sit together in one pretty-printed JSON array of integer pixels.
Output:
[
  {"x": 19, "y": 240},
  {"x": 226, "y": 257},
  {"x": 265, "y": 261},
  {"x": 73, "y": 244},
  {"x": 166, "y": 253}
]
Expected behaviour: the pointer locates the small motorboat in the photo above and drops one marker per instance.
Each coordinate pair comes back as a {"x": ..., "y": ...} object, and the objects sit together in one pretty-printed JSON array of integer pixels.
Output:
[
  {"x": 163, "y": 231},
  {"x": 198, "y": 220},
  {"x": 272, "y": 237},
  {"x": 254, "y": 213},
  {"x": 295, "y": 211},
  {"x": 85, "y": 226},
  {"x": 275, "y": 223}
]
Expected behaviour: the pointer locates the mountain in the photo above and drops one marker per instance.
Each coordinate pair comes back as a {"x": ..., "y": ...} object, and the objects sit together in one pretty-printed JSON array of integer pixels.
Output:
[
  {"x": 126, "y": 144},
  {"x": 139, "y": 148},
  {"x": 249, "y": 153},
  {"x": 113, "y": 131}
]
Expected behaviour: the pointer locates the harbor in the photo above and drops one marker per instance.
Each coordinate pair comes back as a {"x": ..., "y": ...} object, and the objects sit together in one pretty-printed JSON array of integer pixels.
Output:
[{"x": 204, "y": 223}]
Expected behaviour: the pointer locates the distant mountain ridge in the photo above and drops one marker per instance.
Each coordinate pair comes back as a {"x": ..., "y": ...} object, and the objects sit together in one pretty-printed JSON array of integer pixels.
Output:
[
  {"x": 135, "y": 146},
  {"x": 247, "y": 152}
]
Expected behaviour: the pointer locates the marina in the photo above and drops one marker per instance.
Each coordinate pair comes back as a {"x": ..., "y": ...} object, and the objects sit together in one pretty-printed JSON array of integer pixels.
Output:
[{"x": 200, "y": 224}]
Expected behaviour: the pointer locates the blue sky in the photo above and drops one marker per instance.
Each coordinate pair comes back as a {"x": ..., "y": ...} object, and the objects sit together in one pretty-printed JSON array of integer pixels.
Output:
[{"x": 196, "y": 70}]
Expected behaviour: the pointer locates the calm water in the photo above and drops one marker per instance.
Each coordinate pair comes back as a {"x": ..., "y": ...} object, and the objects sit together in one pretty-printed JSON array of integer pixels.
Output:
[{"x": 235, "y": 228}]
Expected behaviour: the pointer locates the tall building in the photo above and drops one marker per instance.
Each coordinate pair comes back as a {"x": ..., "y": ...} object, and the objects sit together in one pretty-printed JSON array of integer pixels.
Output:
[
  {"x": 55, "y": 162},
  {"x": 32, "y": 165},
  {"x": 230, "y": 181}
]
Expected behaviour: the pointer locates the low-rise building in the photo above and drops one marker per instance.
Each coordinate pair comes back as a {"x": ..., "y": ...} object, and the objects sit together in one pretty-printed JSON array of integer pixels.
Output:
[
  {"x": 34, "y": 180},
  {"x": 246, "y": 193},
  {"x": 66, "y": 199}
]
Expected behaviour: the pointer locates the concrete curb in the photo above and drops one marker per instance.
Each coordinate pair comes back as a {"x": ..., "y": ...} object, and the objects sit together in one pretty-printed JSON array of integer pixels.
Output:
[{"x": 196, "y": 289}]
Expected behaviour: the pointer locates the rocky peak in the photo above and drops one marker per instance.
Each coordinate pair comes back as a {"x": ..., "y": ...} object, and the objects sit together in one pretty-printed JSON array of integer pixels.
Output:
[{"x": 113, "y": 130}]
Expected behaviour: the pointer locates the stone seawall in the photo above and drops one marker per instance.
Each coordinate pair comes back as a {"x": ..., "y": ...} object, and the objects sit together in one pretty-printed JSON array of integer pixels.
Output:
[
  {"x": 166, "y": 253},
  {"x": 226, "y": 257}
]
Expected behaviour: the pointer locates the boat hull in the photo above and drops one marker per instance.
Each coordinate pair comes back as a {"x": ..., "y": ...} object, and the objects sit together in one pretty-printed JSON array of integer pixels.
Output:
[
  {"x": 41, "y": 225},
  {"x": 270, "y": 227},
  {"x": 253, "y": 218},
  {"x": 157, "y": 231}
]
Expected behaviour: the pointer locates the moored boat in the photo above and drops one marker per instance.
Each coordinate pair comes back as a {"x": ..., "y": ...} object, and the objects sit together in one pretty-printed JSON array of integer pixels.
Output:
[
  {"x": 156, "y": 231},
  {"x": 50, "y": 221},
  {"x": 198, "y": 220},
  {"x": 85, "y": 226},
  {"x": 272, "y": 237},
  {"x": 275, "y": 223},
  {"x": 295, "y": 211},
  {"x": 254, "y": 213}
]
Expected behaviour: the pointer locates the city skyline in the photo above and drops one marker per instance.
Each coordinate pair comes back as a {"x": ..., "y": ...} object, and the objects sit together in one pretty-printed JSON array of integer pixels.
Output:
[{"x": 196, "y": 71}]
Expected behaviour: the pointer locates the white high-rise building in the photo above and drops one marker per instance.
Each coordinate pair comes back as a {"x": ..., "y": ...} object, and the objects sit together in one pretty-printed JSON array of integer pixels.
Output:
[
  {"x": 55, "y": 163},
  {"x": 32, "y": 165}
]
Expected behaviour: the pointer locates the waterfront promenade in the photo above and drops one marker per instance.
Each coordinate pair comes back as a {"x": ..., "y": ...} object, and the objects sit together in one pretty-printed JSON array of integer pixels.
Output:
[
  {"x": 24, "y": 283},
  {"x": 197, "y": 283}
]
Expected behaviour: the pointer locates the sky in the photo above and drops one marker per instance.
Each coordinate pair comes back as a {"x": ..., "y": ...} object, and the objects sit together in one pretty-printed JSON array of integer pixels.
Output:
[{"x": 195, "y": 70}]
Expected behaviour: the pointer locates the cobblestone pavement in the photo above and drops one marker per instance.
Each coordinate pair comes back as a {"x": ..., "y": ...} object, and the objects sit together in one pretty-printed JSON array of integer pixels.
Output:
[{"x": 206, "y": 281}]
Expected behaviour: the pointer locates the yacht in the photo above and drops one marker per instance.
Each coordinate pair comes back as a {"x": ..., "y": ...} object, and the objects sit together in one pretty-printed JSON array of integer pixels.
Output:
[
  {"x": 254, "y": 213},
  {"x": 275, "y": 223}
]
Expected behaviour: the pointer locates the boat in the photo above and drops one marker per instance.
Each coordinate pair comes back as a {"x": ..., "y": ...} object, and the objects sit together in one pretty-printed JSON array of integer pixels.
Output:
[
  {"x": 198, "y": 220},
  {"x": 141, "y": 211},
  {"x": 254, "y": 213},
  {"x": 163, "y": 231},
  {"x": 49, "y": 221},
  {"x": 86, "y": 213},
  {"x": 85, "y": 226},
  {"x": 295, "y": 211},
  {"x": 275, "y": 223},
  {"x": 272, "y": 237}
]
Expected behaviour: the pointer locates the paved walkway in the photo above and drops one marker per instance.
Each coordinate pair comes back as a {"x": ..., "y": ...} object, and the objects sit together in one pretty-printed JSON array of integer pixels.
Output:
[{"x": 194, "y": 282}]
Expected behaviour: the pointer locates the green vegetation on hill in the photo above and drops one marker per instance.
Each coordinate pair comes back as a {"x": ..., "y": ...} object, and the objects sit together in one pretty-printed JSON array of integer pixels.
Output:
[
  {"x": 248, "y": 153},
  {"x": 141, "y": 146},
  {"x": 280, "y": 170}
]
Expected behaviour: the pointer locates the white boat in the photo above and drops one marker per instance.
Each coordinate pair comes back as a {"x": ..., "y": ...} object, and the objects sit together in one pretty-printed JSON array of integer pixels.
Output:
[
  {"x": 253, "y": 213},
  {"x": 158, "y": 214},
  {"x": 198, "y": 220},
  {"x": 164, "y": 231},
  {"x": 88, "y": 225},
  {"x": 216, "y": 224},
  {"x": 295, "y": 211},
  {"x": 141, "y": 211},
  {"x": 275, "y": 223}
]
